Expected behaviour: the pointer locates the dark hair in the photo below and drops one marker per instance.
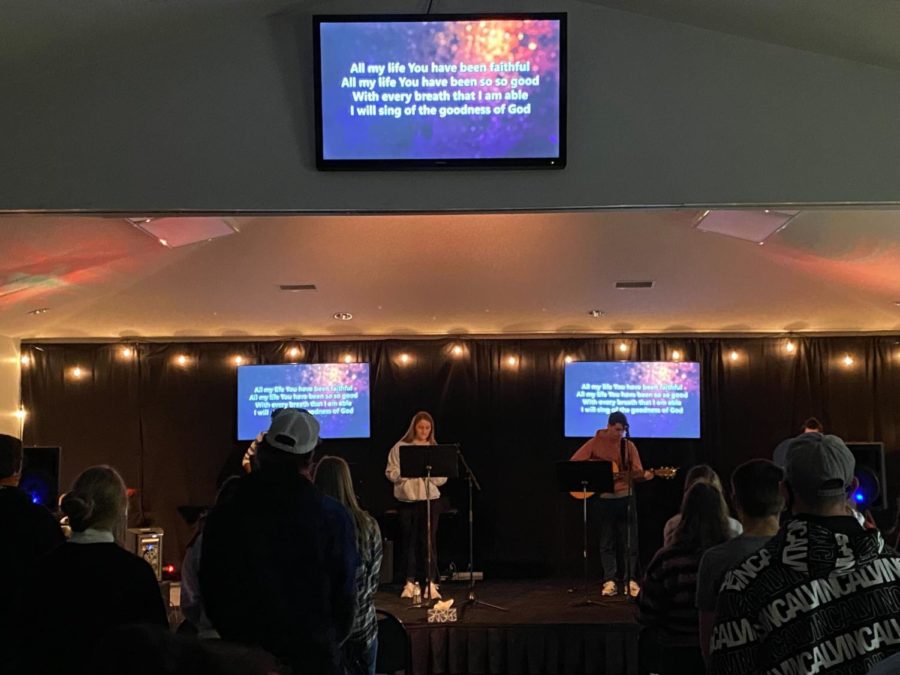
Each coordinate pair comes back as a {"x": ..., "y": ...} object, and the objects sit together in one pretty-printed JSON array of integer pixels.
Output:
[
  {"x": 10, "y": 456},
  {"x": 97, "y": 498},
  {"x": 704, "y": 519},
  {"x": 812, "y": 423},
  {"x": 702, "y": 472},
  {"x": 271, "y": 457},
  {"x": 617, "y": 417},
  {"x": 755, "y": 488}
]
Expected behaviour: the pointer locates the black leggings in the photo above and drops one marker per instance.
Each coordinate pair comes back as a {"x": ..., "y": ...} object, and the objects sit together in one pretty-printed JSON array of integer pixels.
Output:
[{"x": 414, "y": 533}]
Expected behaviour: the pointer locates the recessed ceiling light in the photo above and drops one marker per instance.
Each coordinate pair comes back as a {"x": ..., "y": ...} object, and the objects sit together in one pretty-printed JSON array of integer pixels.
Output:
[
  {"x": 596, "y": 313},
  {"x": 39, "y": 310},
  {"x": 343, "y": 316}
]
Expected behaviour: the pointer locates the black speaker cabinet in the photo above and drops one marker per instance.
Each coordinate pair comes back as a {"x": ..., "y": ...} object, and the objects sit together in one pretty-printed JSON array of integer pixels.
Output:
[
  {"x": 40, "y": 474},
  {"x": 871, "y": 456}
]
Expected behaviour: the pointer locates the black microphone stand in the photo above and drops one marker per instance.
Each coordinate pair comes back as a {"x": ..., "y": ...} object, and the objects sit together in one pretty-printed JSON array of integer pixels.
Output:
[
  {"x": 472, "y": 600},
  {"x": 629, "y": 511}
]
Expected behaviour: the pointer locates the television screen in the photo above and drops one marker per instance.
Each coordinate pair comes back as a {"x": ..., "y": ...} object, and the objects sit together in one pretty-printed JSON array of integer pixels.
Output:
[
  {"x": 661, "y": 399},
  {"x": 337, "y": 394},
  {"x": 440, "y": 90}
]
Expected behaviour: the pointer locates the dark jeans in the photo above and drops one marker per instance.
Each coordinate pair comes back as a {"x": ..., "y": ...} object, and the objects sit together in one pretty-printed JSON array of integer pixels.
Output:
[
  {"x": 611, "y": 515},
  {"x": 413, "y": 530}
]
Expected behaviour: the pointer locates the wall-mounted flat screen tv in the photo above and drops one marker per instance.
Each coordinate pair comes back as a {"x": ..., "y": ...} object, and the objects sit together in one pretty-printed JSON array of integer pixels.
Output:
[
  {"x": 337, "y": 394},
  {"x": 440, "y": 90},
  {"x": 661, "y": 399}
]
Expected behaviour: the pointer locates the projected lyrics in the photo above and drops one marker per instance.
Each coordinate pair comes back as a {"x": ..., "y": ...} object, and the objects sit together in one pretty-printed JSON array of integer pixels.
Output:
[
  {"x": 336, "y": 399},
  {"x": 396, "y": 90},
  {"x": 634, "y": 399}
]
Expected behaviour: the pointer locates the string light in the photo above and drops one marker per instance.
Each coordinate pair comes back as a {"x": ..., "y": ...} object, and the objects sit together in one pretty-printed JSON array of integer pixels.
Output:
[
  {"x": 181, "y": 360},
  {"x": 734, "y": 356},
  {"x": 126, "y": 352},
  {"x": 404, "y": 358},
  {"x": 294, "y": 352},
  {"x": 457, "y": 350},
  {"x": 790, "y": 347},
  {"x": 512, "y": 361},
  {"x": 25, "y": 360},
  {"x": 848, "y": 360},
  {"x": 77, "y": 372},
  {"x": 676, "y": 355},
  {"x": 623, "y": 347},
  {"x": 347, "y": 358},
  {"x": 21, "y": 414},
  {"x": 238, "y": 360},
  {"x": 569, "y": 358}
]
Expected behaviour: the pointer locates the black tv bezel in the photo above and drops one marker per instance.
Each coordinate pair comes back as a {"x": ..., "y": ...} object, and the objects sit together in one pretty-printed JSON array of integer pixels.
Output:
[{"x": 324, "y": 164}]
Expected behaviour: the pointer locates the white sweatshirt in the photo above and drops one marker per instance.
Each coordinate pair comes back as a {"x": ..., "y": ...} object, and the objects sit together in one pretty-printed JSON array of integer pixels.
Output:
[{"x": 408, "y": 489}]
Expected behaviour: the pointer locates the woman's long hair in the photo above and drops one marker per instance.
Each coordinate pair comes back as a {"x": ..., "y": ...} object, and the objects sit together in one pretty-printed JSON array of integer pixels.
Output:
[
  {"x": 705, "y": 473},
  {"x": 704, "y": 519},
  {"x": 97, "y": 499},
  {"x": 410, "y": 435},
  {"x": 333, "y": 478}
]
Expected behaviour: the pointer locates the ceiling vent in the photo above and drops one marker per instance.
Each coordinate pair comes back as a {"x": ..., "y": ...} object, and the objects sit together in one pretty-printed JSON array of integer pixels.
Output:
[
  {"x": 634, "y": 284},
  {"x": 182, "y": 231},
  {"x": 295, "y": 288},
  {"x": 755, "y": 226}
]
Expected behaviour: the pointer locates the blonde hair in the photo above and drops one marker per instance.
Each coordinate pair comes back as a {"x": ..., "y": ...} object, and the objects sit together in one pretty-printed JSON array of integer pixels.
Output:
[
  {"x": 98, "y": 499},
  {"x": 333, "y": 478},
  {"x": 410, "y": 435}
]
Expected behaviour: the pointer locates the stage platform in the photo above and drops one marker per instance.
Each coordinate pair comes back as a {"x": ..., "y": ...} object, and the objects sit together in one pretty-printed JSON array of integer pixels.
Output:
[{"x": 540, "y": 634}]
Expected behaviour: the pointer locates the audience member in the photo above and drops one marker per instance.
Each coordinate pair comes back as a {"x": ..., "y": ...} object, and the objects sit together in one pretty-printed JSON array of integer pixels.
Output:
[
  {"x": 810, "y": 426},
  {"x": 87, "y": 586},
  {"x": 757, "y": 498},
  {"x": 360, "y": 649},
  {"x": 824, "y": 593},
  {"x": 666, "y": 601},
  {"x": 278, "y": 562},
  {"x": 27, "y": 530},
  {"x": 703, "y": 473},
  {"x": 191, "y": 598}
]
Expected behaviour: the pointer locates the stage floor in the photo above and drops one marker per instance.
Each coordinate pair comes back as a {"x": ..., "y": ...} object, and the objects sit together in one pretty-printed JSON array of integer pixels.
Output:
[{"x": 541, "y": 633}]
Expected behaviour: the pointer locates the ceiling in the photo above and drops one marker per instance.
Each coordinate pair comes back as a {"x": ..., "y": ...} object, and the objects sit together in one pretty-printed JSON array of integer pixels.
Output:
[{"x": 831, "y": 271}]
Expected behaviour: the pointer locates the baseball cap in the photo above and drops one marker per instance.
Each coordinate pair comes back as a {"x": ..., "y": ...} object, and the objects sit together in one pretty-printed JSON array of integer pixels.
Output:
[
  {"x": 819, "y": 465},
  {"x": 294, "y": 431}
]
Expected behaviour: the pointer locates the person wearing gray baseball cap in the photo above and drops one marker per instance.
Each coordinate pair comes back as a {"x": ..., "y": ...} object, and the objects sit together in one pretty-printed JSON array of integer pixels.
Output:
[
  {"x": 278, "y": 564},
  {"x": 823, "y": 595}
]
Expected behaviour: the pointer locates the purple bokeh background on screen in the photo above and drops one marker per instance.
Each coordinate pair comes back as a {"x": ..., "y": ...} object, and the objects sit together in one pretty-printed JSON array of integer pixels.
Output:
[{"x": 351, "y": 137}]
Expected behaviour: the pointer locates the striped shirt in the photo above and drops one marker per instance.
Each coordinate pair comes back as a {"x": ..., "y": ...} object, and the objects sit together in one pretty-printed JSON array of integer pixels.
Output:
[
  {"x": 668, "y": 593},
  {"x": 365, "y": 623}
]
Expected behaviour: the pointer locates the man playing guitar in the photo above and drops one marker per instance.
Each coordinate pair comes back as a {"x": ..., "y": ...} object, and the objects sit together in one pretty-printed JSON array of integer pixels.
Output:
[{"x": 611, "y": 445}]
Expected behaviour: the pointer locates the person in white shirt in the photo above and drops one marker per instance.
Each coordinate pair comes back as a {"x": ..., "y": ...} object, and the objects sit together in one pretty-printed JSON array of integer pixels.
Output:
[{"x": 411, "y": 495}]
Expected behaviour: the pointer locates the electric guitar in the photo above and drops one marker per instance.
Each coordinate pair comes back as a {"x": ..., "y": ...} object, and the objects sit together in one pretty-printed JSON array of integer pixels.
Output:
[{"x": 665, "y": 472}]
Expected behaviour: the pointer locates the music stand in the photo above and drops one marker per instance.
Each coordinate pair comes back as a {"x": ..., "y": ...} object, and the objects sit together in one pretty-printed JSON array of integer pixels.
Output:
[
  {"x": 590, "y": 476},
  {"x": 428, "y": 461}
]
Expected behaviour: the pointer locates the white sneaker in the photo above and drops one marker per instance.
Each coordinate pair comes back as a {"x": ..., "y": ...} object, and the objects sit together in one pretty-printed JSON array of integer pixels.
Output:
[
  {"x": 433, "y": 592},
  {"x": 609, "y": 588},
  {"x": 633, "y": 589},
  {"x": 409, "y": 590}
]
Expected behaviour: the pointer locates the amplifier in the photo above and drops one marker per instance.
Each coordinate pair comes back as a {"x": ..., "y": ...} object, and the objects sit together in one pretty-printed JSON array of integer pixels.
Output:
[{"x": 147, "y": 543}]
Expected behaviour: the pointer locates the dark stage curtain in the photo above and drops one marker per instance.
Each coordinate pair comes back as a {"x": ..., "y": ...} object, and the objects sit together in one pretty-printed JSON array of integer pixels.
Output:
[{"x": 171, "y": 430}]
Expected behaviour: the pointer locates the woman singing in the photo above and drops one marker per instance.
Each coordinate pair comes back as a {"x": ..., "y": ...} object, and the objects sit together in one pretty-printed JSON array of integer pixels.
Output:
[{"x": 410, "y": 492}]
